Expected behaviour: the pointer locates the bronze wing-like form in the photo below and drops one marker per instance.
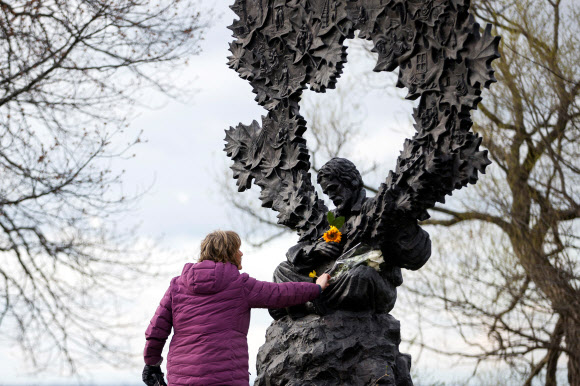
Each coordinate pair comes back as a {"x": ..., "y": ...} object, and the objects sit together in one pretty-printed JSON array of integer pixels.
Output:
[
  {"x": 443, "y": 57},
  {"x": 274, "y": 156},
  {"x": 444, "y": 153}
]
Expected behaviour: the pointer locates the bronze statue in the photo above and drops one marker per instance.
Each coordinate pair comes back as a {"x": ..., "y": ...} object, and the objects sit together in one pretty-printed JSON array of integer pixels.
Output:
[
  {"x": 280, "y": 59},
  {"x": 444, "y": 61},
  {"x": 406, "y": 245}
]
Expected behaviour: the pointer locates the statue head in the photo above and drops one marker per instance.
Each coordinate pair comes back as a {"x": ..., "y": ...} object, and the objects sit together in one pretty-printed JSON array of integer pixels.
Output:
[{"x": 341, "y": 182}]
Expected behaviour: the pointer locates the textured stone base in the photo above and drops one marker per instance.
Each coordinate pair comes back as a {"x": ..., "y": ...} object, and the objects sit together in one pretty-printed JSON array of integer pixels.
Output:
[{"x": 344, "y": 348}]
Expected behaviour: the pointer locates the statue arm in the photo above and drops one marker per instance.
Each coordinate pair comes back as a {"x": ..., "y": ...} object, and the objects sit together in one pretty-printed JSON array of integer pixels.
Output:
[
  {"x": 300, "y": 255},
  {"x": 403, "y": 241},
  {"x": 411, "y": 247},
  {"x": 305, "y": 255}
]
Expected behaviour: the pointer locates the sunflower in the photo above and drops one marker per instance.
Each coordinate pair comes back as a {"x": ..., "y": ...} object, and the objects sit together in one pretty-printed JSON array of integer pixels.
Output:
[{"x": 332, "y": 235}]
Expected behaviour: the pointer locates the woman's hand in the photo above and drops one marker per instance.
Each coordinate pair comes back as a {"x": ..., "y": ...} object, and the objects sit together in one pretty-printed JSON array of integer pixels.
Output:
[{"x": 323, "y": 280}]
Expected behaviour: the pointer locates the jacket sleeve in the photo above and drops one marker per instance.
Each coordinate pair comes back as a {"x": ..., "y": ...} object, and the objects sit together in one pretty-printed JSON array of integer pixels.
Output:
[
  {"x": 263, "y": 294},
  {"x": 158, "y": 330}
]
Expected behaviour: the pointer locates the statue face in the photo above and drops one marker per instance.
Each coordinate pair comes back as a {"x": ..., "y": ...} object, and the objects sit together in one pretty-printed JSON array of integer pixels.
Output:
[{"x": 340, "y": 194}]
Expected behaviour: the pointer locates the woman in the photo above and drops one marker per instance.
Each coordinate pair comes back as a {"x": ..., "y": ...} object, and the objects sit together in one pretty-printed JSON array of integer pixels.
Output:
[{"x": 208, "y": 307}]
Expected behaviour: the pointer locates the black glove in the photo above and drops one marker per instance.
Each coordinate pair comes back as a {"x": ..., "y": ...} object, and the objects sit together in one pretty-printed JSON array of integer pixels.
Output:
[{"x": 153, "y": 376}]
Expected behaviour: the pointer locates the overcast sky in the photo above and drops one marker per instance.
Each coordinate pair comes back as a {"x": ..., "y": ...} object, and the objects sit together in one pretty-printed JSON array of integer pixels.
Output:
[{"x": 180, "y": 161}]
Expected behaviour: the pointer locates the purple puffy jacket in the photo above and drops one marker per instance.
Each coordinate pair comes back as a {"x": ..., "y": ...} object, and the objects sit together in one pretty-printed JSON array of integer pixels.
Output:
[{"x": 208, "y": 307}]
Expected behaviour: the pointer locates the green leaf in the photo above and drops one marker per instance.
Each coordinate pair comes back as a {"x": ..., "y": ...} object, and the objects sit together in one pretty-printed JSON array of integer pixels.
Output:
[
  {"x": 339, "y": 222},
  {"x": 330, "y": 218}
]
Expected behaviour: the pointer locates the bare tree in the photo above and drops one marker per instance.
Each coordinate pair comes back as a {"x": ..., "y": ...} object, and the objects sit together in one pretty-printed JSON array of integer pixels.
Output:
[
  {"x": 519, "y": 283},
  {"x": 70, "y": 71},
  {"x": 507, "y": 260}
]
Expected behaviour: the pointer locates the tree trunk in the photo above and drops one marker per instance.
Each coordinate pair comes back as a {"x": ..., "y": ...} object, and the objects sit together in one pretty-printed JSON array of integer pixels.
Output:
[{"x": 564, "y": 298}]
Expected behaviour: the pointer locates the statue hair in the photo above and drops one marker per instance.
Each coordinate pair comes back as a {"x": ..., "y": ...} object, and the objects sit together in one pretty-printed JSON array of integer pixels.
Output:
[{"x": 343, "y": 171}]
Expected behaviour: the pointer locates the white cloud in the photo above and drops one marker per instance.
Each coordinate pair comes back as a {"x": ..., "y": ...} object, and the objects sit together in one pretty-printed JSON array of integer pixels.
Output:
[{"x": 182, "y": 197}]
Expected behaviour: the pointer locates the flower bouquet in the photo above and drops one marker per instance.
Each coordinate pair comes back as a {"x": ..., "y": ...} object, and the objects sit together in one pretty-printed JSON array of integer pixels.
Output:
[{"x": 360, "y": 254}]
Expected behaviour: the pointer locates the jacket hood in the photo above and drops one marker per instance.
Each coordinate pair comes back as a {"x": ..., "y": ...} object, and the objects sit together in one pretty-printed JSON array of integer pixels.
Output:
[{"x": 208, "y": 277}]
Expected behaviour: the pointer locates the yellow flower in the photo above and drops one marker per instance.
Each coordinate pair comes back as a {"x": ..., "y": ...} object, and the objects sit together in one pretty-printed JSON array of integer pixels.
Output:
[
  {"x": 333, "y": 234},
  {"x": 312, "y": 274}
]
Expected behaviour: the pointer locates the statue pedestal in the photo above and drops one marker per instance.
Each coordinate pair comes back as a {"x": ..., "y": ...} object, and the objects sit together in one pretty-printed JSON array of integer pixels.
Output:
[{"x": 343, "y": 348}]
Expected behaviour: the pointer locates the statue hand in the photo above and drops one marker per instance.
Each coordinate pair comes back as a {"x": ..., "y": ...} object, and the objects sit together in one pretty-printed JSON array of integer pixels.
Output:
[{"x": 328, "y": 250}]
